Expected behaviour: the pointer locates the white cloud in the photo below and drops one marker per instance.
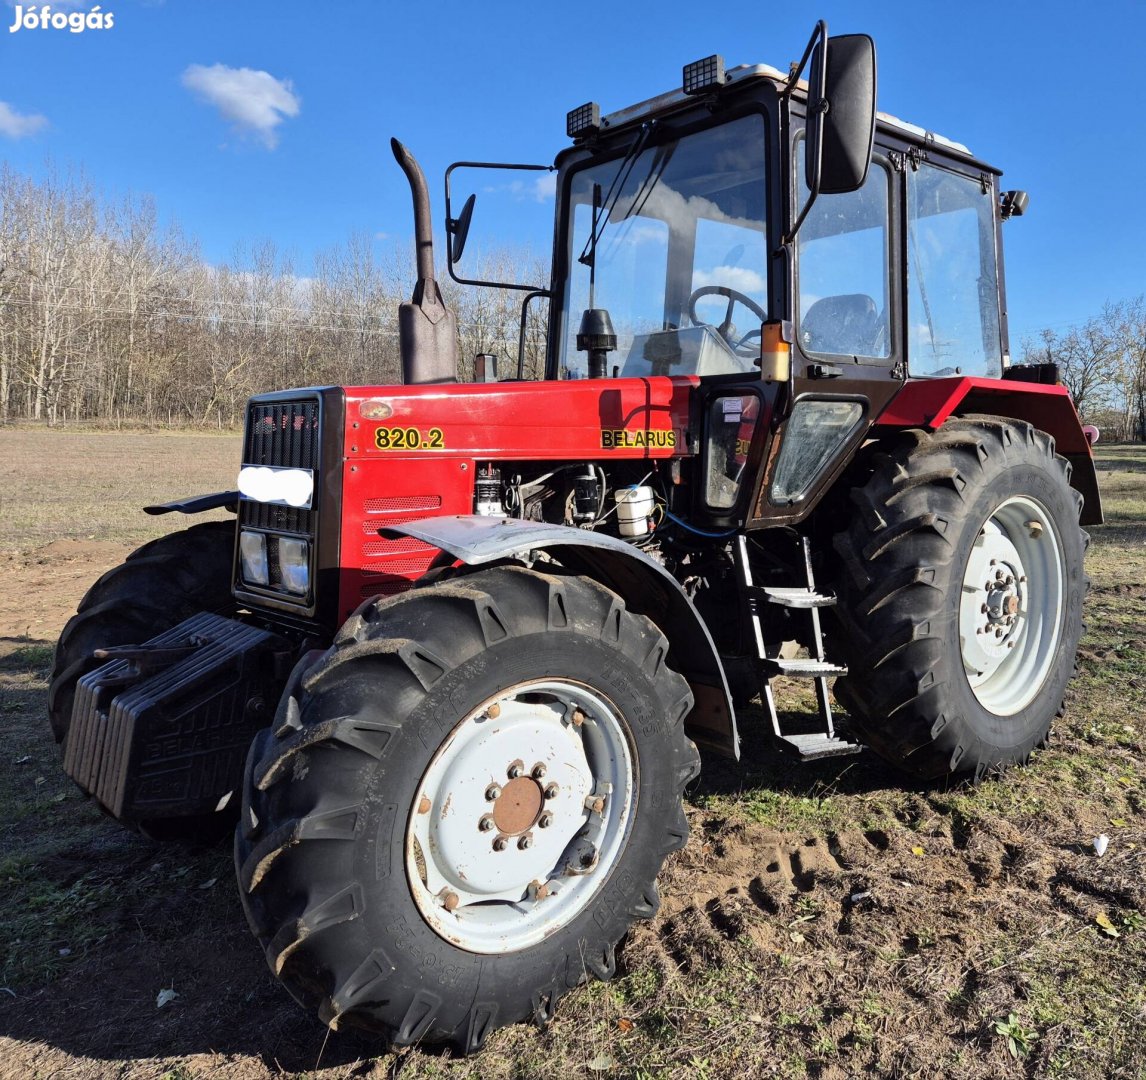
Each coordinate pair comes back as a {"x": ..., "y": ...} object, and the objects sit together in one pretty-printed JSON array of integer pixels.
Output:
[
  {"x": 254, "y": 101},
  {"x": 19, "y": 125},
  {"x": 545, "y": 187},
  {"x": 740, "y": 278}
]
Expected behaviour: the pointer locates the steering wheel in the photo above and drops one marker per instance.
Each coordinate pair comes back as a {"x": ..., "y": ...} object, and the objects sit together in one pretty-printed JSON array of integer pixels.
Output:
[{"x": 726, "y": 330}]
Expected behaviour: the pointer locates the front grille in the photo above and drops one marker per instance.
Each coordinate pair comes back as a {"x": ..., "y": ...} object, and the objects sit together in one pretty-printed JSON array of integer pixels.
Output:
[{"x": 284, "y": 434}]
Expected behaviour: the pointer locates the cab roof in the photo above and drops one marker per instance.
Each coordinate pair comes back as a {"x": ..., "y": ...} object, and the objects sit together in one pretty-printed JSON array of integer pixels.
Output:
[{"x": 744, "y": 73}]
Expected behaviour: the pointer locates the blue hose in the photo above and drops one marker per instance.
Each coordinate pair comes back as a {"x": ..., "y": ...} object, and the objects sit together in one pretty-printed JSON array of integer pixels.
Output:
[{"x": 699, "y": 532}]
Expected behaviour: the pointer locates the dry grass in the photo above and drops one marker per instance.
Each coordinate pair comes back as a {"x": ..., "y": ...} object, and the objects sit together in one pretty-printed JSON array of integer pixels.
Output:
[
  {"x": 93, "y": 485},
  {"x": 823, "y": 920}
]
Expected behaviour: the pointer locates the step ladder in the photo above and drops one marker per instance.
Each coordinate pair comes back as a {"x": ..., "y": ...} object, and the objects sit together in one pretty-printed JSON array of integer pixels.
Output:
[{"x": 816, "y": 744}]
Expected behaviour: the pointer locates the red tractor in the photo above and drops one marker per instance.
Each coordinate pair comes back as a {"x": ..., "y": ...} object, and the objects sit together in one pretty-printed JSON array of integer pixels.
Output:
[{"x": 467, "y": 636}]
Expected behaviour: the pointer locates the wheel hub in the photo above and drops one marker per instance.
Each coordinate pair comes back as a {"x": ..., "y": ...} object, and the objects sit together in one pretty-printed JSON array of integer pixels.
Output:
[
  {"x": 500, "y": 854},
  {"x": 518, "y": 806},
  {"x": 1009, "y": 611}
]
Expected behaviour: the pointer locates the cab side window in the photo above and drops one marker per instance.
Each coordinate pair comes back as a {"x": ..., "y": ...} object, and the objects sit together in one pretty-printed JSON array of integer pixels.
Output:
[
  {"x": 843, "y": 256},
  {"x": 953, "y": 288}
]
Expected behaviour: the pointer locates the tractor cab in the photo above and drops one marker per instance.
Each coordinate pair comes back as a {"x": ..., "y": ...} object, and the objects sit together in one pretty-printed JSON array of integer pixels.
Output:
[{"x": 721, "y": 237}]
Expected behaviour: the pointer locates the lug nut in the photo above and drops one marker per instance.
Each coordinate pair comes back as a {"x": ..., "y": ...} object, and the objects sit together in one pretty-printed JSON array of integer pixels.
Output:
[
  {"x": 500, "y": 843},
  {"x": 551, "y": 791},
  {"x": 486, "y": 823},
  {"x": 538, "y": 771},
  {"x": 578, "y": 718},
  {"x": 515, "y": 769},
  {"x": 492, "y": 792},
  {"x": 1036, "y": 529},
  {"x": 424, "y": 805},
  {"x": 595, "y": 803},
  {"x": 538, "y": 890},
  {"x": 494, "y": 711},
  {"x": 983, "y": 610},
  {"x": 545, "y": 821},
  {"x": 525, "y": 842},
  {"x": 449, "y": 900}
]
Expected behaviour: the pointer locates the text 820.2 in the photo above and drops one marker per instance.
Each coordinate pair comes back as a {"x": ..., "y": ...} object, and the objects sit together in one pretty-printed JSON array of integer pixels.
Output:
[{"x": 408, "y": 438}]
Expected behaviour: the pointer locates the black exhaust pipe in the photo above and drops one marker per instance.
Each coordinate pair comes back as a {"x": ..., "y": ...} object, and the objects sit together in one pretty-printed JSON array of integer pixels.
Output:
[{"x": 427, "y": 330}]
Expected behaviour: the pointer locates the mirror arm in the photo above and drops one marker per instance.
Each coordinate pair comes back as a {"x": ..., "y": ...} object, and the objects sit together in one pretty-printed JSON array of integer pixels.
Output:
[
  {"x": 817, "y": 169},
  {"x": 816, "y": 94},
  {"x": 451, "y": 221},
  {"x": 536, "y": 294},
  {"x": 794, "y": 72}
]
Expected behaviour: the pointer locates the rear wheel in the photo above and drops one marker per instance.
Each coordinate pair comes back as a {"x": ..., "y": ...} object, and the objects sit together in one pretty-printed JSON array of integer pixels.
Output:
[
  {"x": 157, "y": 587},
  {"x": 961, "y": 597},
  {"x": 464, "y": 805}
]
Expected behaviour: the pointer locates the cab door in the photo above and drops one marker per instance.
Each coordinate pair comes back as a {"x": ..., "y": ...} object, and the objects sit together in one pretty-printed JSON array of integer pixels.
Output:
[{"x": 847, "y": 340}]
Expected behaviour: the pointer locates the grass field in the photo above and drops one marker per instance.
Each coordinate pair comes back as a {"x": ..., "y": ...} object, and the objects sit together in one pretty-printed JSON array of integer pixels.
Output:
[{"x": 824, "y": 920}]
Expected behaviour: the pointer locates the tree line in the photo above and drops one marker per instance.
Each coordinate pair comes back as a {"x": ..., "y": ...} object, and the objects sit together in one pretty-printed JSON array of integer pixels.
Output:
[
  {"x": 108, "y": 315},
  {"x": 1103, "y": 362}
]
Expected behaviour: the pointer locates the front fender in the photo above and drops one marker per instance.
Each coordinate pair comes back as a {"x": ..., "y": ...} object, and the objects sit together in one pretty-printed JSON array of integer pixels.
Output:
[{"x": 646, "y": 587}]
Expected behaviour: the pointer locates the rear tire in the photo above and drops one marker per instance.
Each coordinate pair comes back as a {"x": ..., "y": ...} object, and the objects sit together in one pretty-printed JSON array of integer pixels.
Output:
[
  {"x": 368, "y": 847},
  {"x": 961, "y": 597},
  {"x": 157, "y": 587}
]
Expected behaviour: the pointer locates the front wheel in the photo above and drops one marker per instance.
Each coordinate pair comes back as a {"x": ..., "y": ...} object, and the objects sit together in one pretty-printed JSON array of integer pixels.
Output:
[
  {"x": 464, "y": 805},
  {"x": 961, "y": 597}
]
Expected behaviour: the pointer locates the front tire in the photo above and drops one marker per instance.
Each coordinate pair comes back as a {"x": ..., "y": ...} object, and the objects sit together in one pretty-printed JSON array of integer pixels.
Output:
[
  {"x": 961, "y": 597},
  {"x": 464, "y": 804}
]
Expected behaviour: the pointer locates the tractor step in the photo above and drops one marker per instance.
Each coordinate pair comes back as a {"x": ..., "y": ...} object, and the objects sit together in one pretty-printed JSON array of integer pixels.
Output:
[
  {"x": 812, "y": 745},
  {"x": 817, "y": 744},
  {"x": 797, "y": 597},
  {"x": 807, "y": 669}
]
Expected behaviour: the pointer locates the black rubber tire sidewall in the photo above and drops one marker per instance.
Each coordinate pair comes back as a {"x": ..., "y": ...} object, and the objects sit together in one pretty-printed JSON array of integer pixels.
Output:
[
  {"x": 1002, "y": 737},
  {"x": 904, "y": 555},
  {"x": 464, "y": 991}
]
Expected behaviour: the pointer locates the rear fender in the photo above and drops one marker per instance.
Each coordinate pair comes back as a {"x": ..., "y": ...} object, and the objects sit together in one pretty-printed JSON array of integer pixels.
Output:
[
  {"x": 646, "y": 587},
  {"x": 929, "y": 403}
]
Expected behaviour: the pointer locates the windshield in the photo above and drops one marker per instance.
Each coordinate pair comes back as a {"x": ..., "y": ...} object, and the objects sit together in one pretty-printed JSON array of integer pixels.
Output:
[{"x": 681, "y": 255}]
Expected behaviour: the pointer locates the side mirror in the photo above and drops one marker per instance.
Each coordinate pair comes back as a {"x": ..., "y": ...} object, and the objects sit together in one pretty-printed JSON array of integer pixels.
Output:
[
  {"x": 840, "y": 127},
  {"x": 841, "y": 122},
  {"x": 459, "y": 229}
]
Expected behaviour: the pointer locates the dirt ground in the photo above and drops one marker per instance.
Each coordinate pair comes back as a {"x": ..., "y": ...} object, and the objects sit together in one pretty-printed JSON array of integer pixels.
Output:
[{"x": 823, "y": 920}]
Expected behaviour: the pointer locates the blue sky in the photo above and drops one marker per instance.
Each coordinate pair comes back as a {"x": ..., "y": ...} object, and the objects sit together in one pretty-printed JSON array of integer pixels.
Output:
[{"x": 292, "y": 143}]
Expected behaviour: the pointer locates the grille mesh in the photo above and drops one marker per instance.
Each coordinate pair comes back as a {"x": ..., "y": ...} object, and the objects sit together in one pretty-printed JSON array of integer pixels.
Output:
[
  {"x": 283, "y": 434},
  {"x": 392, "y": 504}
]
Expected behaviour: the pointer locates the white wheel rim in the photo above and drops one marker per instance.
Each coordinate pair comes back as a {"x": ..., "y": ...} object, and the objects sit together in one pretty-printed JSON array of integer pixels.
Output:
[
  {"x": 1011, "y": 605},
  {"x": 520, "y": 816}
]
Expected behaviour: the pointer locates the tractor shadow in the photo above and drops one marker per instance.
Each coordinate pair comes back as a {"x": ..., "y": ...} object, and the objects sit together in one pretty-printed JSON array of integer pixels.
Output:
[
  {"x": 98, "y": 920},
  {"x": 763, "y": 766}
]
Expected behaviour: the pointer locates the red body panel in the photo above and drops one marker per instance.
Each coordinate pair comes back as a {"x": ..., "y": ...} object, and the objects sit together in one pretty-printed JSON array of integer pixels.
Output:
[
  {"x": 424, "y": 461},
  {"x": 929, "y": 402}
]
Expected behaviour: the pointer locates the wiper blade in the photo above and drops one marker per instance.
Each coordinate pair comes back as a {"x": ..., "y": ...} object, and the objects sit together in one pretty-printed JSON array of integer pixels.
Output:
[{"x": 620, "y": 178}]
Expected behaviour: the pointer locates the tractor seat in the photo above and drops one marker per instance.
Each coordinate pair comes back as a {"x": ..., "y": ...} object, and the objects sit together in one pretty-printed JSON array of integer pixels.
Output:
[{"x": 846, "y": 325}]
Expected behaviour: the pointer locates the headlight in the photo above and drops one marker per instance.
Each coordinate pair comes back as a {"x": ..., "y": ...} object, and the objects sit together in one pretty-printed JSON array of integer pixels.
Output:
[
  {"x": 294, "y": 565},
  {"x": 253, "y": 554}
]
